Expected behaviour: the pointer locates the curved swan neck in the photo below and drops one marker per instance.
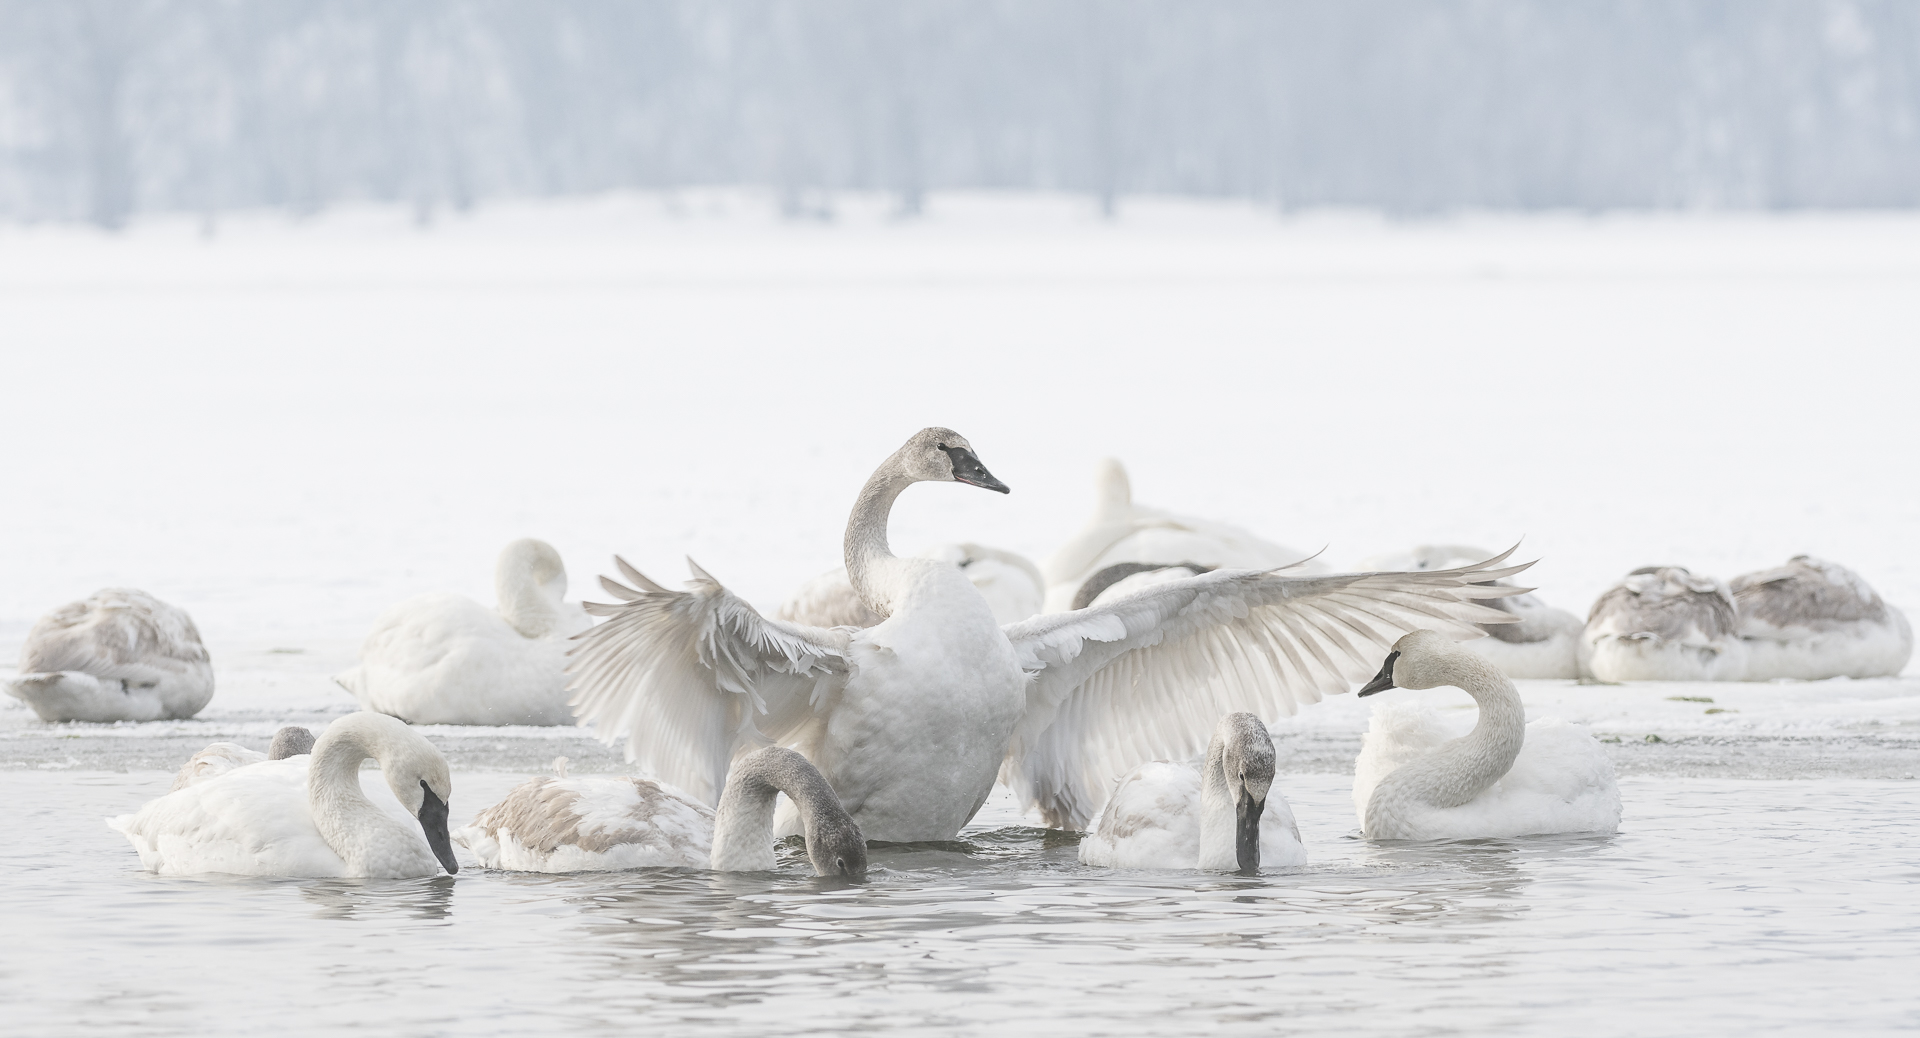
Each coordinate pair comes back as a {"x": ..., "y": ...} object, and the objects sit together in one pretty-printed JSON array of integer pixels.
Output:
[
  {"x": 1217, "y": 810},
  {"x": 349, "y": 822},
  {"x": 866, "y": 540},
  {"x": 528, "y": 586},
  {"x": 1462, "y": 769},
  {"x": 743, "y": 825}
]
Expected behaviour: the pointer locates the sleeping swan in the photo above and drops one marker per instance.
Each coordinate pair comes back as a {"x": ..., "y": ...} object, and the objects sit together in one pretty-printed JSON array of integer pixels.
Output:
[
  {"x": 1544, "y": 644},
  {"x": 121, "y": 655},
  {"x": 222, "y": 757},
  {"x": 1121, "y": 531},
  {"x": 443, "y": 659},
  {"x": 1415, "y": 781},
  {"x": 1010, "y": 583},
  {"x": 605, "y": 823},
  {"x": 307, "y": 815},
  {"x": 1218, "y": 814},
  {"x": 911, "y": 720},
  {"x": 1663, "y": 623},
  {"x": 1812, "y": 619}
]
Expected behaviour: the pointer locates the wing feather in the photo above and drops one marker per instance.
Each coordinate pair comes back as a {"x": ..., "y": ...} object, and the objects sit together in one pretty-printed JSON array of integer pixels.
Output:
[
  {"x": 688, "y": 678},
  {"x": 1148, "y": 676}
]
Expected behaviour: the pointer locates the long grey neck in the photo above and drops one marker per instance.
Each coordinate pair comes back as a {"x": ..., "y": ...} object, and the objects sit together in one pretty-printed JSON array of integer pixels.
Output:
[
  {"x": 743, "y": 825},
  {"x": 1218, "y": 812},
  {"x": 1481, "y": 757},
  {"x": 866, "y": 542}
]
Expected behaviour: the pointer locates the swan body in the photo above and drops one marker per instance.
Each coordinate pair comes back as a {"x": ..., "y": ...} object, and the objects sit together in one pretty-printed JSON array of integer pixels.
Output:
[
  {"x": 1011, "y": 584},
  {"x": 1663, "y": 623},
  {"x": 1218, "y": 813},
  {"x": 307, "y": 815},
  {"x": 444, "y": 659},
  {"x": 910, "y": 720},
  {"x": 1812, "y": 619},
  {"x": 1122, "y": 531},
  {"x": 601, "y": 823},
  {"x": 222, "y": 757},
  {"x": 119, "y": 655},
  {"x": 1545, "y": 643},
  {"x": 1417, "y": 779}
]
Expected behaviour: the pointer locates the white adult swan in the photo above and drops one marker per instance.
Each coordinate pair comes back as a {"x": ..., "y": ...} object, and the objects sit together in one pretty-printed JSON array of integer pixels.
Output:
[
  {"x": 911, "y": 719},
  {"x": 1545, "y": 643},
  {"x": 1121, "y": 531},
  {"x": 606, "y": 823},
  {"x": 1218, "y": 814},
  {"x": 1010, "y": 583},
  {"x": 1415, "y": 781},
  {"x": 1813, "y": 619},
  {"x": 443, "y": 659},
  {"x": 307, "y": 815},
  {"x": 1663, "y": 623},
  {"x": 120, "y": 655},
  {"x": 222, "y": 757}
]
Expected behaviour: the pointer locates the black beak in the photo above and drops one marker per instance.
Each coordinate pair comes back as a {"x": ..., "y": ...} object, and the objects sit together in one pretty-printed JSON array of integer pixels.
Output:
[
  {"x": 1246, "y": 831},
  {"x": 433, "y": 820},
  {"x": 1383, "y": 680},
  {"x": 967, "y": 469}
]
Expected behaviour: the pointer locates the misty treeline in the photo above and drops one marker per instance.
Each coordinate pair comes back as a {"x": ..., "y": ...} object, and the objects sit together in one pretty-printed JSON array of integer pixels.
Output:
[{"x": 113, "y": 107}]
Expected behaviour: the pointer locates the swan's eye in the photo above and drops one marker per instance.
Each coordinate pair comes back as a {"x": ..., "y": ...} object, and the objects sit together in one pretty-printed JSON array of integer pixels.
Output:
[{"x": 943, "y": 446}]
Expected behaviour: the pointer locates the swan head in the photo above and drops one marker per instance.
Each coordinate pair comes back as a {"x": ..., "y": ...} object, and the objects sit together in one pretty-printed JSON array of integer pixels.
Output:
[
  {"x": 419, "y": 778},
  {"x": 1417, "y": 661},
  {"x": 939, "y": 455},
  {"x": 1247, "y": 759},
  {"x": 837, "y": 847},
  {"x": 529, "y": 583},
  {"x": 291, "y": 741}
]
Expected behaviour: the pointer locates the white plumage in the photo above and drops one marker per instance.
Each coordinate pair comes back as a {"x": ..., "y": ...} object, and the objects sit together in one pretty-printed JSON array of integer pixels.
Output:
[
  {"x": 911, "y": 719},
  {"x": 307, "y": 815},
  {"x": 1418, "y": 778},
  {"x": 442, "y": 659},
  {"x": 1812, "y": 619},
  {"x": 1122, "y": 531},
  {"x": 221, "y": 757},
  {"x": 120, "y": 655},
  {"x": 1545, "y": 643},
  {"x": 1663, "y": 623},
  {"x": 1010, "y": 583},
  {"x": 1187, "y": 814}
]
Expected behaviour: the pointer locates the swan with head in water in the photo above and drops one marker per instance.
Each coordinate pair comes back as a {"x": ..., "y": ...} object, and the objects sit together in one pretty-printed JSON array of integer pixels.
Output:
[
  {"x": 441, "y": 658},
  {"x": 605, "y": 823},
  {"x": 910, "y": 720},
  {"x": 1218, "y": 814},
  {"x": 1415, "y": 781},
  {"x": 307, "y": 815}
]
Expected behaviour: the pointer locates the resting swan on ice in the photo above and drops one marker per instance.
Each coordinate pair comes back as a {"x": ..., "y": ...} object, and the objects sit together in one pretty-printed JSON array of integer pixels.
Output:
[
  {"x": 120, "y": 655},
  {"x": 1218, "y": 814},
  {"x": 307, "y": 815},
  {"x": 1011, "y": 584},
  {"x": 222, "y": 757},
  {"x": 440, "y": 658},
  {"x": 1121, "y": 531},
  {"x": 911, "y": 720},
  {"x": 1812, "y": 619},
  {"x": 1545, "y": 643},
  {"x": 1415, "y": 781},
  {"x": 1663, "y": 623},
  {"x": 606, "y": 823}
]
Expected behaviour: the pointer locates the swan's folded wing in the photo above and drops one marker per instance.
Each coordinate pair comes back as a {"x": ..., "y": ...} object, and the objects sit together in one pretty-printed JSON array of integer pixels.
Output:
[
  {"x": 1148, "y": 676},
  {"x": 686, "y": 678}
]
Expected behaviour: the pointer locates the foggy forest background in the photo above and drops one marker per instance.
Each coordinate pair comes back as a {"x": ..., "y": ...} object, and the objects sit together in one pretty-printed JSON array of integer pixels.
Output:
[{"x": 109, "y": 108}]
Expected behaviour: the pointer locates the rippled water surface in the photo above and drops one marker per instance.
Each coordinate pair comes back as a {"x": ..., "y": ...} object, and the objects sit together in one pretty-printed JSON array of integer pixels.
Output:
[{"x": 1722, "y": 906}]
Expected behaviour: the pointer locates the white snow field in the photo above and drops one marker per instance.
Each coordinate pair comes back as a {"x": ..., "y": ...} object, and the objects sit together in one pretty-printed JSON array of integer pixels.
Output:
[{"x": 285, "y": 425}]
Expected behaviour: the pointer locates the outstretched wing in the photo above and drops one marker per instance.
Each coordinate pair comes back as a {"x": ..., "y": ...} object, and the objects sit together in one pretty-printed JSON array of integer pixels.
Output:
[
  {"x": 1148, "y": 676},
  {"x": 689, "y": 677}
]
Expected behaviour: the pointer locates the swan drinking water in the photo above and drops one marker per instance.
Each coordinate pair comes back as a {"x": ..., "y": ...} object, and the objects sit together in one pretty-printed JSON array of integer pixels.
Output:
[
  {"x": 1218, "y": 814},
  {"x": 307, "y": 815},
  {"x": 443, "y": 659},
  {"x": 120, "y": 655},
  {"x": 1415, "y": 781},
  {"x": 910, "y": 720},
  {"x": 603, "y": 823}
]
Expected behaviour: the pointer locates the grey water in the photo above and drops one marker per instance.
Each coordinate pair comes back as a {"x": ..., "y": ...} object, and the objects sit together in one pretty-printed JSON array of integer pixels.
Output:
[{"x": 1722, "y": 906}]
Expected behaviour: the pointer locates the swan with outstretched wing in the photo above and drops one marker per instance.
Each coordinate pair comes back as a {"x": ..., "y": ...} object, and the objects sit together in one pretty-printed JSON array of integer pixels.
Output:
[{"x": 910, "y": 720}]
